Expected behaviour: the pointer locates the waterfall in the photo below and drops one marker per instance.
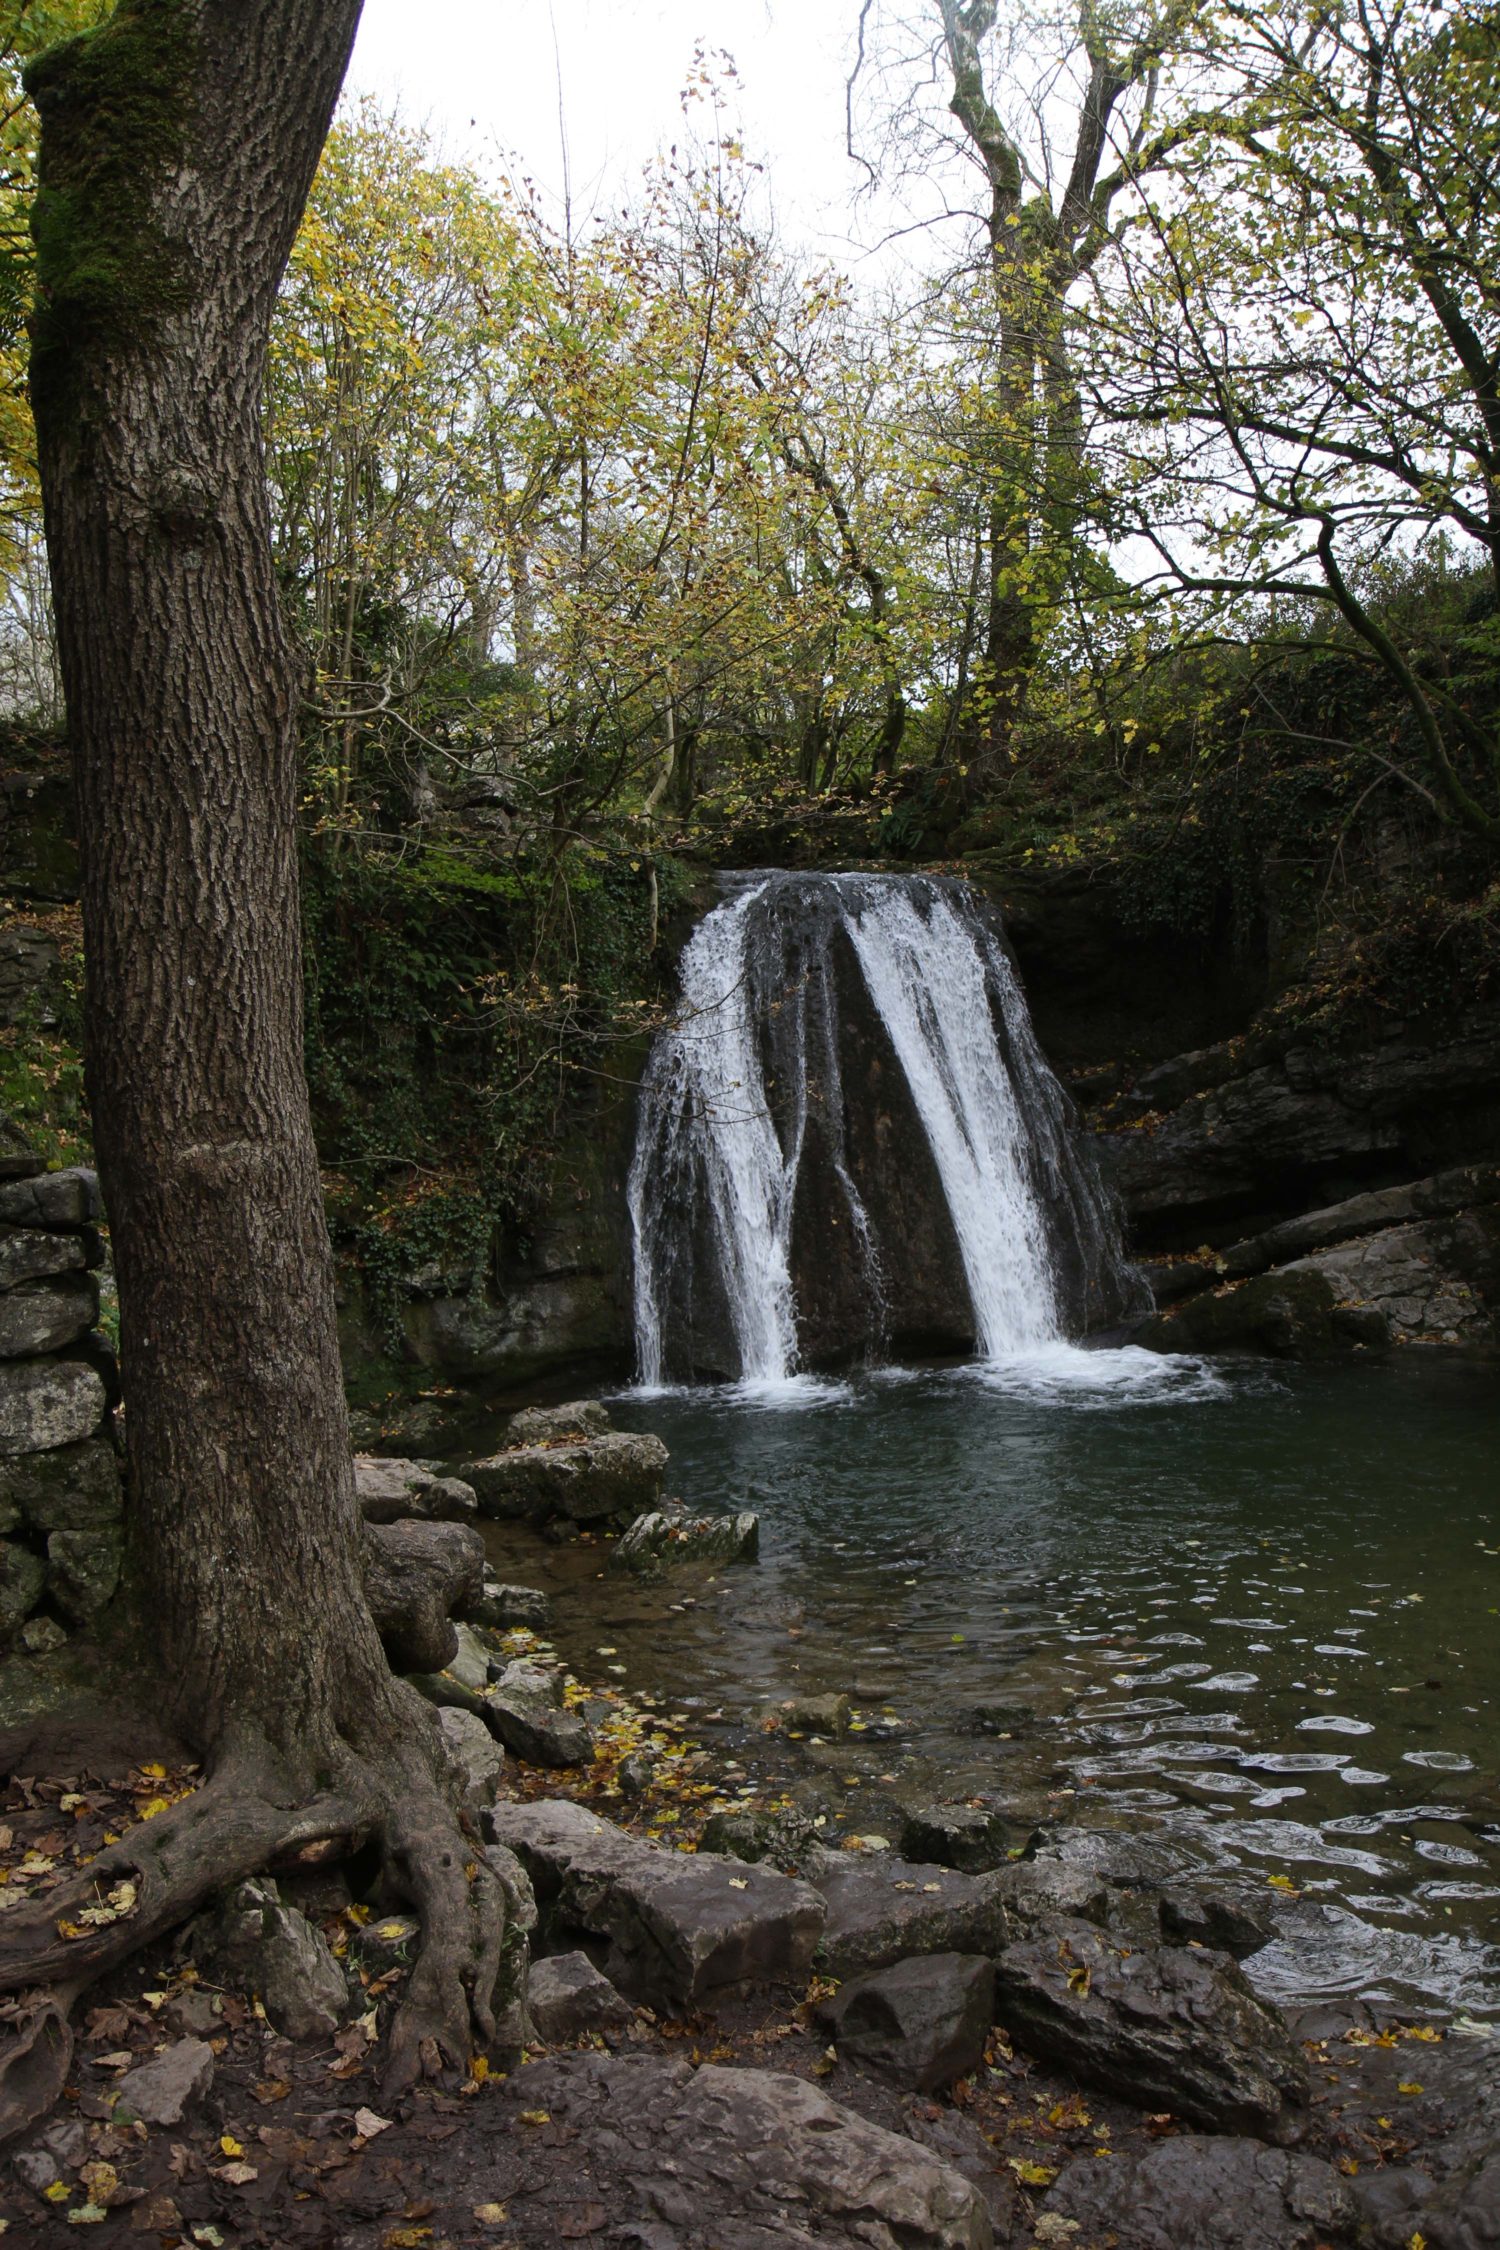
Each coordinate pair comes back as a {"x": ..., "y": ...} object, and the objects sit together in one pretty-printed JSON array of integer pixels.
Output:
[{"x": 848, "y": 1133}]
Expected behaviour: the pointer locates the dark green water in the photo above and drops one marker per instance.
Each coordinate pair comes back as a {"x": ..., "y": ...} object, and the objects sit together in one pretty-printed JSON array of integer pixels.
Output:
[{"x": 1262, "y": 1606}]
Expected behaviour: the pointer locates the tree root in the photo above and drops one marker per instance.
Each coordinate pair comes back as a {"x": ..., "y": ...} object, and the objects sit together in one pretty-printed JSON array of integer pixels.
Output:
[{"x": 401, "y": 1796}]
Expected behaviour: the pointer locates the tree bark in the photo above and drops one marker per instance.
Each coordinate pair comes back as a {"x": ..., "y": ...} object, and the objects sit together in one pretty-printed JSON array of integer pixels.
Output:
[{"x": 179, "y": 142}]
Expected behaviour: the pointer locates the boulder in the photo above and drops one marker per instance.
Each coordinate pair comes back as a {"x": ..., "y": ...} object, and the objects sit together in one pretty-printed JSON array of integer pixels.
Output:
[
  {"x": 29, "y": 1254},
  {"x": 470, "y": 1662},
  {"x": 52, "y": 1199},
  {"x": 524, "y": 1711},
  {"x": 258, "y": 1945},
  {"x": 500, "y": 1606},
  {"x": 44, "y": 1316},
  {"x": 388, "y": 1490},
  {"x": 1219, "y": 2194},
  {"x": 416, "y": 1575},
  {"x": 806, "y": 1714},
  {"x": 544, "y": 1425},
  {"x": 161, "y": 2091},
  {"x": 570, "y": 1999},
  {"x": 48, "y": 1402},
  {"x": 83, "y": 1570},
  {"x": 1237, "y": 1922},
  {"x": 757, "y": 2157},
  {"x": 973, "y": 1838},
  {"x": 666, "y": 1538},
  {"x": 1168, "y": 2027},
  {"x": 23, "y": 1576},
  {"x": 920, "y": 2023},
  {"x": 475, "y": 1752},
  {"x": 615, "y": 1474},
  {"x": 680, "y": 1927},
  {"x": 72, "y": 1488},
  {"x": 882, "y": 1908}
]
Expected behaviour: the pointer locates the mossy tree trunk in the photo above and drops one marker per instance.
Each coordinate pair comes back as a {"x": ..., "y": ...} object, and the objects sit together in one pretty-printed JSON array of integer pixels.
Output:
[{"x": 179, "y": 142}]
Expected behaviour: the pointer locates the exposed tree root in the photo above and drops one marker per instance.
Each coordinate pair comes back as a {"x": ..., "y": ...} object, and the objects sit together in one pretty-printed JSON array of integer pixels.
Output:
[{"x": 402, "y": 1797}]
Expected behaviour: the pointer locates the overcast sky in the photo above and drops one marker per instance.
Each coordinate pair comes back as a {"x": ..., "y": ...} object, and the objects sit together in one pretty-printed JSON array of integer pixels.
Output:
[{"x": 486, "y": 75}]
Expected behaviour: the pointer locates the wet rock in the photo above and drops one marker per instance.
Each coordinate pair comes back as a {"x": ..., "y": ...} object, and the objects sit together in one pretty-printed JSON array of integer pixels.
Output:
[
  {"x": 416, "y": 1575},
  {"x": 29, "y": 1254},
  {"x": 972, "y": 1838},
  {"x": 43, "y": 1316},
  {"x": 83, "y": 1570},
  {"x": 73, "y": 1488},
  {"x": 1038, "y": 1892},
  {"x": 23, "y": 1575},
  {"x": 52, "y": 1199},
  {"x": 161, "y": 2091},
  {"x": 48, "y": 1402},
  {"x": 388, "y": 1490},
  {"x": 570, "y": 1999},
  {"x": 757, "y": 2158},
  {"x": 523, "y": 1711},
  {"x": 1167, "y": 2027},
  {"x": 807, "y": 1714},
  {"x": 501, "y": 1606},
  {"x": 920, "y": 2023},
  {"x": 882, "y": 1908},
  {"x": 783, "y": 1838},
  {"x": 999, "y": 1715},
  {"x": 1220, "y": 2194},
  {"x": 1237, "y": 1922},
  {"x": 666, "y": 1538},
  {"x": 476, "y": 1753},
  {"x": 680, "y": 1927},
  {"x": 544, "y": 1425},
  {"x": 615, "y": 1474},
  {"x": 258, "y": 1945}
]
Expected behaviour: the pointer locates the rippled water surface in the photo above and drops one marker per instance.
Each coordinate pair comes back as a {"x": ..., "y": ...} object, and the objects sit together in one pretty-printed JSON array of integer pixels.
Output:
[{"x": 1260, "y": 1605}]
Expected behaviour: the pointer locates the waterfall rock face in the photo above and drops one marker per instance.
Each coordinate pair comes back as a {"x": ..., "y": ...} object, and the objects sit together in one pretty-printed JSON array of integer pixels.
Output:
[{"x": 849, "y": 1143}]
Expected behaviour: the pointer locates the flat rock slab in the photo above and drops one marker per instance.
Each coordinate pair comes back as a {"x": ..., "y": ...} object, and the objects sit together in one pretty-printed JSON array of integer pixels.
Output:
[
  {"x": 680, "y": 1926},
  {"x": 713, "y": 2159},
  {"x": 882, "y": 1908},
  {"x": 1192, "y": 2193},
  {"x": 1168, "y": 2027},
  {"x": 48, "y": 1402},
  {"x": 614, "y": 1473},
  {"x": 920, "y": 2024}
]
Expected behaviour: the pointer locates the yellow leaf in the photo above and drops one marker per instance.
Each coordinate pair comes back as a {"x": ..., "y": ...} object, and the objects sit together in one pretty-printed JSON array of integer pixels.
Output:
[
  {"x": 536, "y": 2117},
  {"x": 152, "y": 1806},
  {"x": 490, "y": 2214},
  {"x": 230, "y": 2145},
  {"x": 1409, "y": 2087},
  {"x": 1032, "y": 2175},
  {"x": 57, "y": 2193}
]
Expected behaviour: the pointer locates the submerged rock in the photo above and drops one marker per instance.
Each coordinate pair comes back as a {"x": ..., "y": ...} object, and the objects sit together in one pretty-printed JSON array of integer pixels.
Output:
[
  {"x": 920, "y": 2023},
  {"x": 680, "y": 1927},
  {"x": 667, "y": 1538},
  {"x": 1219, "y": 2194},
  {"x": 1165, "y": 2026},
  {"x": 757, "y": 2157}
]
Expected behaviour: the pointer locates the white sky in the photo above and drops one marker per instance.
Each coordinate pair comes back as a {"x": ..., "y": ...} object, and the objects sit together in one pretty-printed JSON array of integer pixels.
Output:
[{"x": 484, "y": 76}]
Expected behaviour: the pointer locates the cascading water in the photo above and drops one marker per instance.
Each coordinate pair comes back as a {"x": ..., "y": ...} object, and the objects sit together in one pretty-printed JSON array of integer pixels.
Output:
[{"x": 849, "y": 1137}]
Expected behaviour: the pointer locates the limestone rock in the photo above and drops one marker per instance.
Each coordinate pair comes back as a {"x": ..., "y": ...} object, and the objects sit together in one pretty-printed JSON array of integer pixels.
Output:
[
  {"x": 29, "y": 1254},
  {"x": 543, "y": 1425},
  {"x": 680, "y": 1926},
  {"x": 388, "y": 1490},
  {"x": 48, "y": 1402},
  {"x": 416, "y": 1575},
  {"x": 44, "y": 1316},
  {"x": 470, "y": 1662},
  {"x": 614, "y": 1474},
  {"x": 807, "y": 1714},
  {"x": 23, "y": 1575},
  {"x": 500, "y": 1605},
  {"x": 920, "y": 2023},
  {"x": 83, "y": 1570},
  {"x": 971, "y": 1838},
  {"x": 744, "y": 2159},
  {"x": 1169, "y": 2027},
  {"x": 1237, "y": 1922},
  {"x": 784, "y": 1838},
  {"x": 666, "y": 1538},
  {"x": 254, "y": 1942},
  {"x": 161, "y": 2091},
  {"x": 475, "y": 1752},
  {"x": 72, "y": 1488},
  {"x": 882, "y": 1908},
  {"x": 569, "y": 1999},
  {"x": 52, "y": 1199},
  {"x": 523, "y": 1710},
  {"x": 1217, "y": 2194}
]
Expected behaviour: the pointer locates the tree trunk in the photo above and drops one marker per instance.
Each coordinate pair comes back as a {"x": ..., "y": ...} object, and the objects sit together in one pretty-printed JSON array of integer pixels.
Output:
[{"x": 178, "y": 145}]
